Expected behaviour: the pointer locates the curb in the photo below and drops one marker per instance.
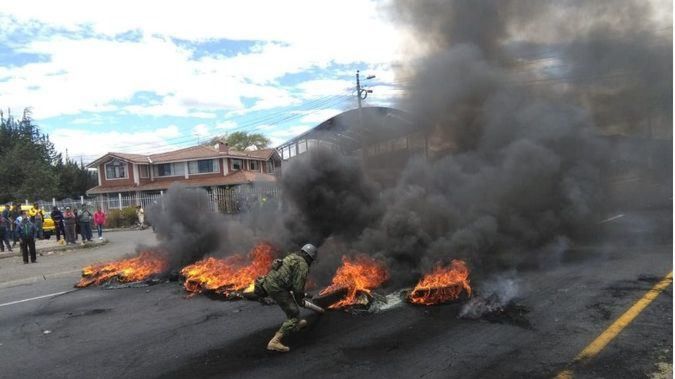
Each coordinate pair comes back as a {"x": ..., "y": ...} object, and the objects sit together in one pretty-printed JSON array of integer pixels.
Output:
[{"x": 17, "y": 251}]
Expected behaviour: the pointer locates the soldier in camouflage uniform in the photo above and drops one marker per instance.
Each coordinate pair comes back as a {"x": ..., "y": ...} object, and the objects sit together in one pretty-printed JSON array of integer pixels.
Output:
[{"x": 285, "y": 283}]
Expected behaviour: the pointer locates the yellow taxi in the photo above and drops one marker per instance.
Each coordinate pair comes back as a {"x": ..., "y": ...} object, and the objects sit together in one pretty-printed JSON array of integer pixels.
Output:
[{"x": 48, "y": 227}]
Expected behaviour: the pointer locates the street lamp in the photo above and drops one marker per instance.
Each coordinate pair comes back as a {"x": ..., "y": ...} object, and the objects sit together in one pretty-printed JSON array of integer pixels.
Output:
[{"x": 362, "y": 93}]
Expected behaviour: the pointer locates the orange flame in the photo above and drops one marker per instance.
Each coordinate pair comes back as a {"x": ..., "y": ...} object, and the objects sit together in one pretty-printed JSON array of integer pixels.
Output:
[
  {"x": 227, "y": 275},
  {"x": 358, "y": 275},
  {"x": 143, "y": 266},
  {"x": 443, "y": 284}
]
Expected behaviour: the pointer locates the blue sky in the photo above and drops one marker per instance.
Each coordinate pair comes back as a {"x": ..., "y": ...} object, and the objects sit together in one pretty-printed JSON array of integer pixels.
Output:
[{"x": 144, "y": 77}]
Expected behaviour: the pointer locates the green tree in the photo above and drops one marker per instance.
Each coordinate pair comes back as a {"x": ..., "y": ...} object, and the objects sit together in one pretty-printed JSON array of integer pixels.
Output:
[
  {"x": 30, "y": 167},
  {"x": 27, "y": 160},
  {"x": 242, "y": 140},
  {"x": 74, "y": 179}
]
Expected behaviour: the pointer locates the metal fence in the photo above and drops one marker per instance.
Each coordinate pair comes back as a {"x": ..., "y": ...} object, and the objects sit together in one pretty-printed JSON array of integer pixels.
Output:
[{"x": 235, "y": 199}]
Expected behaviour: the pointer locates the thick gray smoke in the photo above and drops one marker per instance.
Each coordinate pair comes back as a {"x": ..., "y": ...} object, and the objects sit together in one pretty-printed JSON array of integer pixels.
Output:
[
  {"x": 328, "y": 195},
  {"x": 190, "y": 229},
  {"x": 186, "y": 226},
  {"x": 526, "y": 167},
  {"x": 518, "y": 95}
]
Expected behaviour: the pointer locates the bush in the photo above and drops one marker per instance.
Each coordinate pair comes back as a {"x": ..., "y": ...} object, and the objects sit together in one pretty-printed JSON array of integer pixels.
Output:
[{"x": 121, "y": 218}]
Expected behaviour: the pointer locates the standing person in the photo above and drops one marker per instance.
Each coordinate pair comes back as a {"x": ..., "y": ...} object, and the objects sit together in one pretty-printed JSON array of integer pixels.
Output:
[
  {"x": 57, "y": 217},
  {"x": 99, "y": 220},
  {"x": 5, "y": 231},
  {"x": 15, "y": 215},
  {"x": 77, "y": 224},
  {"x": 84, "y": 218},
  {"x": 38, "y": 218},
  {"x": 140, "y": 213},
  {"x": 285, "y": 283},
  {"x": 69, "y": 223},
  {"x": 27, "y": 234},
  {"x": 6, "y": 213}
]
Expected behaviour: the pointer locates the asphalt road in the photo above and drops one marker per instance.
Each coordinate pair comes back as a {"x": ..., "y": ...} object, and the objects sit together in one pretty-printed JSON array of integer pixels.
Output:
[{"x": 158, "y": 332}]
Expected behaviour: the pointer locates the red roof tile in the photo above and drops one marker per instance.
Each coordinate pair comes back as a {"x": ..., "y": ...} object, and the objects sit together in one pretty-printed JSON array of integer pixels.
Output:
[{"x": 188, "y": 153}]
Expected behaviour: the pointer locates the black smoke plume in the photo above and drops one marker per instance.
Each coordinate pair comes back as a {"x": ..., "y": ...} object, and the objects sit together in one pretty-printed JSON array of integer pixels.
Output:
[
  {"x": 516, "y": 99},
  {"x": 328, "y": 194},
  {"x": 186, "y": 225},
  {"x": 525, "y": 167}
]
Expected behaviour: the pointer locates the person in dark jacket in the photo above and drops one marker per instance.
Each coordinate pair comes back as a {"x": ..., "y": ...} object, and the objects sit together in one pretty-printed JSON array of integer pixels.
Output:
[
  {"x": 14, "y": 215},
  {"x": 5, "y": 230},
  {"x": 37, "y": 217},
  {"x": 57, "y": 217},
  {"x": 78, "y": 231},
  {"x": 69, "y": 225},
  {"x": 27, "y": 234},
  {"x": 84, "y": 218},
  {"x": 285, "y": 284}
]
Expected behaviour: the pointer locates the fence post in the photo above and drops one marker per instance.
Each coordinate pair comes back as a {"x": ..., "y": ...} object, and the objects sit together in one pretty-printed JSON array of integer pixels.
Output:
[{"x": 119, "y": 196}]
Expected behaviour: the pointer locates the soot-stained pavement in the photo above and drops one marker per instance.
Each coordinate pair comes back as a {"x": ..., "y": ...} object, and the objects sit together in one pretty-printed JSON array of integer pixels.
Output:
[{"x": 159, "y": 331}]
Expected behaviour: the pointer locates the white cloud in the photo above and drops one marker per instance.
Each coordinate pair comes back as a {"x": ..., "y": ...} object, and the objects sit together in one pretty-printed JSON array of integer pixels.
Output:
[
  {"x": 229, "y": 124},
  {"x": 326, "y": 87},
  {"x": 280, "y": 136},
  {"x": 324, "y": 24},
  {"x": 200, "y": 130},
  {"x": 317, "y": 117},
  {"x": 90, "y": 145},
  {"x": 102, "y": 74}
]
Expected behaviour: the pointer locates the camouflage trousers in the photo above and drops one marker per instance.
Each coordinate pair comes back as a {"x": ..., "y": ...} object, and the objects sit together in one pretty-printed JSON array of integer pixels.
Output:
[{"x": 288, "y": 305}]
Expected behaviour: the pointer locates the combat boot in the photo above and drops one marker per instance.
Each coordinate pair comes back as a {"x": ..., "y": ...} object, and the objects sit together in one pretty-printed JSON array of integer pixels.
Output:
[
  {"x": 301, "y": 324},
  {"x": 276, "y": 345}
]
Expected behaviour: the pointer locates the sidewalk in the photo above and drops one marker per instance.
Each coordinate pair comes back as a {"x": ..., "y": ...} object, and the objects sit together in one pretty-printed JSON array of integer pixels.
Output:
[{"x": 47, "y": 247}]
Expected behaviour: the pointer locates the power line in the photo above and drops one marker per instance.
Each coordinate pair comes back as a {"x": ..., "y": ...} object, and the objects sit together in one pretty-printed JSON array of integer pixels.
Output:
[
  {"x": 319, "y": 104},
  {"x": 272, "y": 118}
]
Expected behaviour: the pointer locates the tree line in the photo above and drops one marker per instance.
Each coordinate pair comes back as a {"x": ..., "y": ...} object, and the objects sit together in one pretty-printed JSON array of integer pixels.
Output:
[
  {"x": 30, "y": 167},
  {"x": 241, "y": 140}
]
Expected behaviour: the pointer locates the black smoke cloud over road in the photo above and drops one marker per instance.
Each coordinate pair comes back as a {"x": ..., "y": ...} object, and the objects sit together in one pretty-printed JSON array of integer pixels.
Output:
[
  {"x": 527, "y": 169},
  {"x": 517, "y": 94},
  {"x": 328, "y": 194},
  {"x": 186, "y": 226},
  {"x": 189, "y": 228}
]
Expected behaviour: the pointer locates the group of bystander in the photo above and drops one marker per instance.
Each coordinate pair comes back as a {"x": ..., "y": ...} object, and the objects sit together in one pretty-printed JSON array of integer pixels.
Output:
[{"x": 25, "y": 226}]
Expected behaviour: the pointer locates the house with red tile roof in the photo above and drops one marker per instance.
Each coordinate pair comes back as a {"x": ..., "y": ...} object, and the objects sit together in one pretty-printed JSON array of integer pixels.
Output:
[{"x": 197, "y": 166}]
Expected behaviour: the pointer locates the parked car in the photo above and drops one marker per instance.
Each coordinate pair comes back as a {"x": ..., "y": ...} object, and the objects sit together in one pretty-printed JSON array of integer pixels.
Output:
[{"x": 48, "y": 226}]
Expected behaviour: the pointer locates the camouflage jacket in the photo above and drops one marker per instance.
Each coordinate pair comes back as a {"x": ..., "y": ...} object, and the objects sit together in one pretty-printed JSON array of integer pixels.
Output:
[{"x": 291, "y": 276}]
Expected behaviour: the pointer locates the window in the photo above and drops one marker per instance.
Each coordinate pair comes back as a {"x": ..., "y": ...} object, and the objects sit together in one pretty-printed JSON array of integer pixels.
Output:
[
  {"x": 203, "y": 166},
  {"x": 253, "y": 165},
  {"x": 116, "y": 169},
  {"x": 164, "y": 169},
  {"x": 236, "y": 164},
  {"x": 144, "y": 170},
  {"x": 269, "y": 167},
  {"x": 302, "y": 146}
]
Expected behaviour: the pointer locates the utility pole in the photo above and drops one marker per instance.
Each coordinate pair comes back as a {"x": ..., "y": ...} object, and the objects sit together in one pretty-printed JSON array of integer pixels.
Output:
[{"x": 362, "y": 93}]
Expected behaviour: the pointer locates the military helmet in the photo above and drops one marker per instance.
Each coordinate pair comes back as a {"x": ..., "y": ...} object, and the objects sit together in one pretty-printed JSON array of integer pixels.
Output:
[{"x": 310, "y": 250}]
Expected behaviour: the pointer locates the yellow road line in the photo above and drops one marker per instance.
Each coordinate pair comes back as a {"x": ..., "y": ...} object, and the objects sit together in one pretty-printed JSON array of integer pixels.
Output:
[{"x": 610, "y": 333}]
